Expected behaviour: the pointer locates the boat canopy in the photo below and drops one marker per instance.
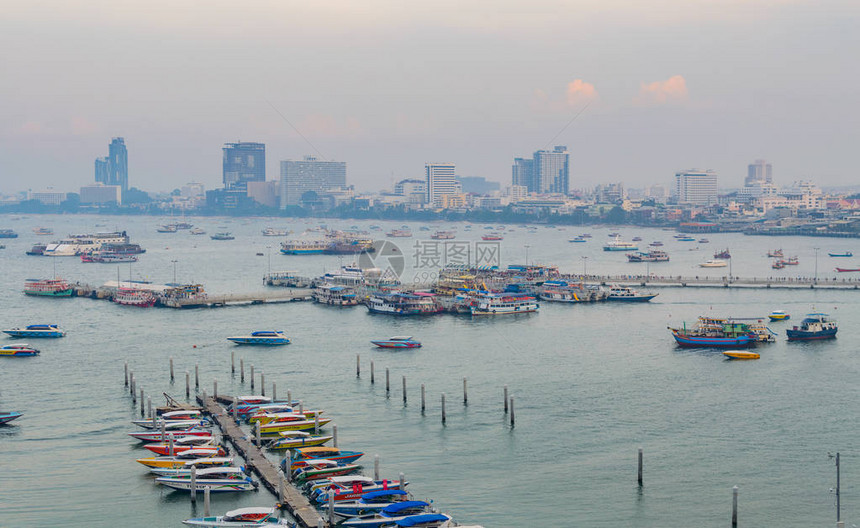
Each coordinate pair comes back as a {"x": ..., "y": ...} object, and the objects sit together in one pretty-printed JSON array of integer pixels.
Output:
[
  {"x": 404, "y": 505},
  {"x": 243, "y": 514},
  {"x": 373, "y": 495},
  {"x": 417, "y": 520}
]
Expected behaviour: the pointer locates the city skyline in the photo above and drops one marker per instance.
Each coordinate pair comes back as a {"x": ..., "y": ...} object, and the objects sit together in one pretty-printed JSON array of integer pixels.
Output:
[{"x": 636, "y": 92}]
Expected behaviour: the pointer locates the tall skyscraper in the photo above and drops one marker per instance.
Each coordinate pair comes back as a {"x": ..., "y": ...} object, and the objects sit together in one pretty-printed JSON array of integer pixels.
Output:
[
  {"x": 759, "y": 171},
  {"x": 441, "y": 181},
  {"x": 118, "y": 163},
  {"x": 102, "y": 170},
  {"x": 310, "y": 174},
  {"x": 547, "y": 172},
  {"x": 523, "y": 173},
  {"x": 243, "y": 163},
  {"x": 696, "y": 187}
]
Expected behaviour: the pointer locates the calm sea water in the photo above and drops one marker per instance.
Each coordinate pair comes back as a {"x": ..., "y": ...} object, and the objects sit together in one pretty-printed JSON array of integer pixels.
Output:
[{"x": 592, "y": 383}]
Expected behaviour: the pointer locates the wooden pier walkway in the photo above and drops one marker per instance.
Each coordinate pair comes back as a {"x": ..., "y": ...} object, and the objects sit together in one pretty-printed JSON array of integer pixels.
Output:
[
  {"x": 265, "y": 297},
  {"x": 292, "y": 499}
]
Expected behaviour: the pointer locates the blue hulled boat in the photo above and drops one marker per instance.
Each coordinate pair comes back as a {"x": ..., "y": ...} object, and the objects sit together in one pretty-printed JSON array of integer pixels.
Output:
[
  {"x": 6, "y": 417},
  {"x": 813, "y": 326},
  {"x": 397, "y": 342},
  {"x": 263, "y": 337},
  {"x": 715, "y": 333},
  {"x": 37, "y": 330}
]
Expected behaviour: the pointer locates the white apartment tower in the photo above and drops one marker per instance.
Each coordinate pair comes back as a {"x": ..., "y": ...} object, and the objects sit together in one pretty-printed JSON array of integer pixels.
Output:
[
  {"x": 696, "y": 187},
  {"x": 441, "y": 181}
]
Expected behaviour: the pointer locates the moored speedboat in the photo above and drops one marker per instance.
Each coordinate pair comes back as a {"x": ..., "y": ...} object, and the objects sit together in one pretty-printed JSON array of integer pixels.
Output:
[
  {"x": 274, "y": 428},
  {"x": 157, "y": 436},
  {"x": 8, "y": 416},
  {"x": 179, "y": 459},
  {"x": 778, "y": 315},
  {"x": 216, "y": 479},
  {"x": 397, "y": 342},
  {"x": 222, "y": 236},
  {"x": 845, "y": 254},
  {"x": 264, "y": 337},
  {"x": 37, "y": 330},
  {"x": 389, "y": 515},
  {"x": 242, "y": 518},
  {"x": 316, "y": 469},
  {"x": 18, "y": 350},
  {"x": 814, "y": 326},
  {"x": 296, "y": 439},
  {"x": 370, "y": 503},
  {"x": 301, "y": 456},
  {"x": 741, "y": 354}
]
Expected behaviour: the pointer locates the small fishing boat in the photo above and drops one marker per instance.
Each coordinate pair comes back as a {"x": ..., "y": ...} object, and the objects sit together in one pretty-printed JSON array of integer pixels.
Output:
[
  {"x": 37, "y": 330},
  {"x": 397, "y": 342},
  {"x": 492, "y": 236},
  {"x": 847, "y": 270},
  {"x": 399, "y": 233},
  {"x": 779, "y": 264},
  {"x": 263, "y": 337},
  {"x": 443, "y": 235},
  {"x": 711, "y": 332},
  {"x": 778, "y": 315},
  {"x": 167, "y": 228},
  {"x": 8, "y": 416},
  {"x": 636, "y": 239},
  {"x": 714, "y": 263},
  {"x": 723, "y": 255},
  {"x": 242, "y": 518},
  {"x": 704, "y": 241},
  {"x": 791, "y": 261},
  {"x": 389, "y": 515},
  {"x": 776, "y": 253},
  {"x": 222, "y": 236},
  {"x": 216, "y": 479},
  {"x": 197, "y": 231},
  {"x": 578, "y": 240},
  {"x": 845, "y": 254},
  {"x": 18, "y": 350},
  {"x": 271, "y": 231},
  {"x": 814, "y": 326},
  {"x": 741, "y": 354},
  {"x": 43, "y": 231},
  {"x": 656, "y": 243},
  {"x": 685, "y": 239},
  {"x": 296, "y": 439}
]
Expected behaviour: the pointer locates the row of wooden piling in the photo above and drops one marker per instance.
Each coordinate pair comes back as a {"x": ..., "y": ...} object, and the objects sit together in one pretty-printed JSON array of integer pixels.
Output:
[{"x": 508, "y": 402}]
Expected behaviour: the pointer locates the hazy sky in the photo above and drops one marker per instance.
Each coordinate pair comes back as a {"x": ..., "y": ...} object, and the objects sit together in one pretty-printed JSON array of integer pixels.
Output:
[{"x": 388, "y": 85}]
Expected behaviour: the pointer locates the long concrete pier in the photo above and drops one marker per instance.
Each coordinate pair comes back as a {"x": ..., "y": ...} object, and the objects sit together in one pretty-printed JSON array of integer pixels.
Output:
[
  {"x": 721, "y": 282},
  {"x": 292, "y": 499},
  {"x": 266, "y": 297}
]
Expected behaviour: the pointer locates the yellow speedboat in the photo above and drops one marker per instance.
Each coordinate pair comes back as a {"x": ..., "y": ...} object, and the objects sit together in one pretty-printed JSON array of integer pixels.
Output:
[
  {"x": 298, "y": 425},
  {"x": 180, "y": 459},
  {"x": 778, "y": 315},
  {"x": 741, "y": 354}
]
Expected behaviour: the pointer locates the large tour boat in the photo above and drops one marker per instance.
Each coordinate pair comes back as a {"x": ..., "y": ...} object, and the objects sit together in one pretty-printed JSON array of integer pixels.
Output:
[
  {"x": 570, "y": 292},
  {"x": 503, "y": 303},
  {"x": 37, "y": 330},
  {"x": 134, "y": 297},
  {"x": 399, "y": 233},
  {"x": 627, "y": 294},
  {"x": 814, "y": 326},
  {"x": 78, "y": 244},
  {"x": 271, "y": 231},
  {"x": 304, "y": 247},
  {"x": 443, "y": 235},
  {"x": 107, "y": 258},
  {"x": 335, "y": 295},
  {"x": 47, "y": 287},
  {"x": 654, "y": 255},
  {"x": 616, "y": 244},
  {"x": 400, "y": 303},
  {"x": 225, "y": 235}
]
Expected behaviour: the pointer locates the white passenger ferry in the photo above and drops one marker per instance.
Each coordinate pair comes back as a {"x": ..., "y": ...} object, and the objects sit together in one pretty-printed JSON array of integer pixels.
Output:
[
  {"x": 80, "y": 244},
  {"x": 503, "y": 303}
]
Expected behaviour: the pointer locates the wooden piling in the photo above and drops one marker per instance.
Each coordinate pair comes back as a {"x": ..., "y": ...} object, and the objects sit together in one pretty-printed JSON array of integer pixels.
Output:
[
  {"x": 443, "y": 408},
  {"x": 215, "y": 388},
  {"x": 235, "y": 408},
  {"x": 734, "y": 507},
  {"x": 316, "y": 422},
  {"x": 196, "y": 376},
  {"x": 334, "y": 434},
  {"x": 402, "y": 481},
  {"x": 187, "y": 384},
  {"x": 358, "y": 365},
  {"x": 252, "y": 379},
  {"x": 465, "y": 393},
  {"x": 274, "y": 391},
  {"x": 404, "y": 391},
  {"x": 163, "y": 429},
  {"x": 242, "y": 370},
  {"x": 142, "y": 414},
  {"x": 423, "y": 399},
  {"x": 206, "y": 491},
  {"x": 171, "y": 445},
  {"x": 232, "y": 362},
  {"x": 193, "y": 489},
  {"x": 505, "y": 398},
  {"x": 171, "y": 370},
  {"x": 375, "y": 467},
  {"x": 289, "y": 397},
  {"x": 372, "y": 376},
  {"x": 257, "y": 433},
  {"x": 640, "y": 467},
  {"x": 130, "y": 384},
  {"x": 126, "y": 374},
  {"x": 512, "y": 411},
  {"x": 262, "y": 383},
  {"x": 133, "y": 391},
  {"x": 387, "y": 381},
  {"x": 301, "y": 407},
  {"x": 149, "y": 409}
]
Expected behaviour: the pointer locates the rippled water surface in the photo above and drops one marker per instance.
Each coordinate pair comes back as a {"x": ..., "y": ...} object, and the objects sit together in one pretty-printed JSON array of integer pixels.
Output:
[{"x": 591, "y": 385}]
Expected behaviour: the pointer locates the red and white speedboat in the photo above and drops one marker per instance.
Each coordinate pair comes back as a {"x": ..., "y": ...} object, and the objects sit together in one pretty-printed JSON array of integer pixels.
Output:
[{"x": 156, "y": 436}]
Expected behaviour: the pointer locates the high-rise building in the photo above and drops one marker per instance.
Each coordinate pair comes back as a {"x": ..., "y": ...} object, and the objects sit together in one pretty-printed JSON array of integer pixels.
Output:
[
  {"x": 759, "y": 171},
  {"x": 243, "y": 163},
  {"x": 547, "y": 172},
  {"x": 309, "y": 174},
  {"x": 441, "y": 180},
  {"x": 523, "y": 173},
  {"x": 696, "y": 187},
  {"x": 415, "y": 190},
  {"x": 118, "y": 163},
  {"x": 102, "y": 171},
  {"x": 552, "y": 170}
]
